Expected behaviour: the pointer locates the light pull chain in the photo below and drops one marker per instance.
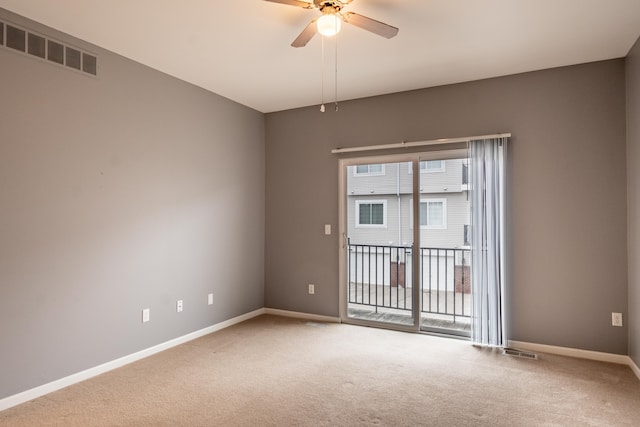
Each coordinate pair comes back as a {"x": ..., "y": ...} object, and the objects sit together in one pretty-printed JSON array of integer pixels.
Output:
[
  {"x": 322, "y": 95},
  {"x": 335, "y": 95}
]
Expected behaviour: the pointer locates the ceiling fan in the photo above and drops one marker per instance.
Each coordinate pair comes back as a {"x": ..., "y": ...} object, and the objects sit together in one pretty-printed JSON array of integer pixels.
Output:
[{"x": 330, "y": 22}]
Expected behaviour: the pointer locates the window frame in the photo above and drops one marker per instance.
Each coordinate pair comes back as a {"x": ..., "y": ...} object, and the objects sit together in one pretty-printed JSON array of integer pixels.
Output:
[
  {"x": 381, "y": 173},
  {"x": 427, "y": 200},
  {"x": 370, "y": 202},
  {"x": 442, "y": 169}
]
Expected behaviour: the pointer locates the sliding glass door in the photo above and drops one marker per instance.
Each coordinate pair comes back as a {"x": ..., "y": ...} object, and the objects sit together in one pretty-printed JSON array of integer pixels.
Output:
[{"x": 404, "y": 256}]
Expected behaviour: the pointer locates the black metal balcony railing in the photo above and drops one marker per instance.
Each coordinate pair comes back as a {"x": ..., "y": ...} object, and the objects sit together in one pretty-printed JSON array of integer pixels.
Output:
[{"x": 381, "y": 277}]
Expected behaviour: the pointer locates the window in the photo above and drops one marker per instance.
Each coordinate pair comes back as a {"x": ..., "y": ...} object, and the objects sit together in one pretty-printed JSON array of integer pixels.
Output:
[
  {"x": 429, "y": 166},
  {"x": 371, "y": 213},
  {"x": 364, "y": 170},
  {"x": 432, "y": 166},
  {"x": 433, "y": 213}
]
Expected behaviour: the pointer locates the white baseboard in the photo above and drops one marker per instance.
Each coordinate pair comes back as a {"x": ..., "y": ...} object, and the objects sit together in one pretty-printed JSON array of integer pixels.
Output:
[
  {"x": 575, "y": 352},
  {"x": 300, "y": 315},
  {"x": 634, "y": 368},
  {"x": 36, "y": 392}
]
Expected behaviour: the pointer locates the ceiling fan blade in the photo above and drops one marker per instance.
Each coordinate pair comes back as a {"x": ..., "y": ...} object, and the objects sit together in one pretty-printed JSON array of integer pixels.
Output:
[
  {"x": 377, "y": 27},
  {"x": 298, "y": 3},
  {"x": 306, "y": 35}
]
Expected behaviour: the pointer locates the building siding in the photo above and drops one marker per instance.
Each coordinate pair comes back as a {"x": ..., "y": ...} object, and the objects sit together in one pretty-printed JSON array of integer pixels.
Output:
[{"x": 394, "y": 187}]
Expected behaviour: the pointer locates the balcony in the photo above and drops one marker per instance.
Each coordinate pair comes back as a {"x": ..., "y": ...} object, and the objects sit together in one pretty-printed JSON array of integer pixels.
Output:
[{"x": 380, "y": 286}]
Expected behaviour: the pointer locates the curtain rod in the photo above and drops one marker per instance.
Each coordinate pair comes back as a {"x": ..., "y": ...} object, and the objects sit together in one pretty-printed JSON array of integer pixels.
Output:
[{"x": 404, "y": 144}]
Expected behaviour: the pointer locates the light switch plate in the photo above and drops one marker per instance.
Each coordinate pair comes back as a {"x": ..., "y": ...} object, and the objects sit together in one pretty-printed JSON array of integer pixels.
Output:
[{"x": 616, "y": 319}]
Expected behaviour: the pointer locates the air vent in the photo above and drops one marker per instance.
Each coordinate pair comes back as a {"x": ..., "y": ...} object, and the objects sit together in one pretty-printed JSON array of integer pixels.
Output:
[
  {"x": 89, "y": 64},
  {"x": 519, "y": 353},
  {"x": 72, "y": 57},
  {"x": 16, "y": 38},
  {"x": 55, "y": 52},
  {"x": 36, "y": 45}
]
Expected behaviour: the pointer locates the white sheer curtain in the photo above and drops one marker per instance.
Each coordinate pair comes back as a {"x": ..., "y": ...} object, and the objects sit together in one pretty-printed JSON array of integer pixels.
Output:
[{"x": 487, "y": 179}]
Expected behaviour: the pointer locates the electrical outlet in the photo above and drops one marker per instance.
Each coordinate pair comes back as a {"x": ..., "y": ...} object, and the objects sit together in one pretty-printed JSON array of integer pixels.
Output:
[
  {"x": 146, "y": 315},
  {"x": 210, "y": 299},
  {"x": 312, "y": 289},
  {"x": 616, "y": 319},
  {"x": 179, "y": 305},
  {"x": 327, "y": 229}
]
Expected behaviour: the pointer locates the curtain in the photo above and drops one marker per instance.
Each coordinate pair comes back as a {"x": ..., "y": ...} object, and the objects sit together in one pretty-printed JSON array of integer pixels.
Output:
[{"x": 487, "y": 181}]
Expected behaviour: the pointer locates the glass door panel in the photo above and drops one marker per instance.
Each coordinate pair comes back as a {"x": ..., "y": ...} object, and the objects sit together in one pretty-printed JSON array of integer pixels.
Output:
[
  {"x": 379, "y": 243},
  {"x": 444, "y": 252}
]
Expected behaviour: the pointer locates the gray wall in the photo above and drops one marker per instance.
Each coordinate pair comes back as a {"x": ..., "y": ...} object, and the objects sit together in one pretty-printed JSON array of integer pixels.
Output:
[
  {"x": 567, "y": 206},
  {"x": 117, "y": 193},
  {"x": 633, "y": 194}
]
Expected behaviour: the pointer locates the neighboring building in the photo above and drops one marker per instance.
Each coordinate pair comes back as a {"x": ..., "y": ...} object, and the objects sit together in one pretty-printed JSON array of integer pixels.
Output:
[
  {"x": 380, "y": 224},
  {"x": 380, "y": 205}
]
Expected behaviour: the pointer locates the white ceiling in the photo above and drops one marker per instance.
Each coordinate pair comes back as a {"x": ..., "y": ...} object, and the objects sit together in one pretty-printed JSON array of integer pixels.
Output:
[{"x": 240, "y": 49}]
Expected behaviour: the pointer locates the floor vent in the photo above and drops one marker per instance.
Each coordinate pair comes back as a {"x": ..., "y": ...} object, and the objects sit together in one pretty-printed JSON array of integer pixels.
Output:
[
  {"x": 17, "y": 39},
  {"x": 519, "y": 353}
]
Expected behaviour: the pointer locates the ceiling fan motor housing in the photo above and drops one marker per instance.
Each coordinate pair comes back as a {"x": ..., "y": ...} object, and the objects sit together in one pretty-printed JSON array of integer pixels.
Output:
[{"x": 327, "y": 6}]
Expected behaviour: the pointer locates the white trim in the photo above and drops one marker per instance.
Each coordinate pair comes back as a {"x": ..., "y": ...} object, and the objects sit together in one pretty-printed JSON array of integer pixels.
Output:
[
  {"x": 620, "y": 359},
  {"x": 39, "y": 391},
  {"x": 634, "y": 367},
  {"x": 404, "y": 144},
  {"x": 371, "y": 202},
  {"x": 300, "y": 315},
  {"x": 343, "y": 215}
]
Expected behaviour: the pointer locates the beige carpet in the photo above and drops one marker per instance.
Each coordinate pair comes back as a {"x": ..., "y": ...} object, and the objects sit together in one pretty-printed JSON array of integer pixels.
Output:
[{"x": 273, "y": 371}]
